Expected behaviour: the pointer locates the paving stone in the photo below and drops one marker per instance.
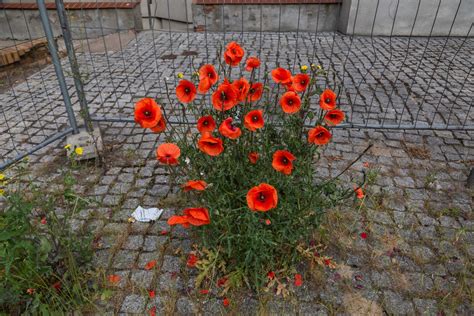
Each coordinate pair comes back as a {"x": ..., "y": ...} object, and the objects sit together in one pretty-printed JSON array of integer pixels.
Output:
[
  {"x": 171, "y": 264},
  {"x": 280, "y": 307},
  {"x": 115, "y": 229},
  {"x": 153, "y": 243},
  {"x": 142, "y": 278},
  {"x": 423, "y": 253},
  {"x": 125, "y": 259},
  {"x": 395, "y": 304},
  {"x": 133, "y": 303},
  {"x": 425, "y": 306},
  {"x": 310, "y": 309},
  {"x": 170, "y": 281},
  {"x": 133, "y": 242},
  {"x": 146, "y": 257},
  {"x": 419, "y": 283},
  {"x": 184, "y": 306}
]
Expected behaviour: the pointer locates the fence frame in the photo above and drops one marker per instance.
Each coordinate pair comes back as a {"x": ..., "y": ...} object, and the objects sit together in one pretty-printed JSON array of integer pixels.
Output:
[{"x": 89, "y": 119}]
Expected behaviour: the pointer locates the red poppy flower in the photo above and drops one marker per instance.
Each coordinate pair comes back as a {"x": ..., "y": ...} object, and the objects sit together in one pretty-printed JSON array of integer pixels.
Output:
[
  {"x": 327, "y": 100},
  {"x": 253, "y": 157},
  {"x": 164, "y": 232},
  {"x": 225, "y": 97},
  {"x": 327, "y": 262},
  {"x": 359, "y": 193},
  {"x": 147, "y": 113},
  {"x": 300, "y": 82},
  {"x": 151, "y": 293},
  {"x": 186, "y": 91},
  {"x": 221, "y": 282},
  {"x": 114, "y": 278},
  {"x": 30, "y": 291},
  {"x": 298, "y": 280},
  {"x": 281, "y": 75},
  {"x": 204, "y": 86},
  {"x": 226, "y": 302},
  {"x": 290, "y": 102},
  {"x": 334, "y": 117},
  {"x": 203, "y": 292},
  {"x": 271, "y": 275},
  {"x": 242, "y": 87},
  {"x": 263, "y": 197},
  {"x": 198, "y": 185},
  {"x": 197, "y": 216},
  {"x": 160, "y": 126},
  {"x": 150, "y": 265},
  {"x": 255, "y": 92},
  {"x": 152, "y": 311},
  {"x": 233, "y": 54},
  {"x": 253, "y": 120},
  {"x": 363, "y": 235},
  {"x": 208, "y": 72},
  {"x": 319, "y": 135},
  {"x": 192, "y": 260},
  {"x": 206, "y": 124},
  {"x": 227, "y": 129},
  {"x": 43, "y": 220},
  {"x": 178, "y": 220},
  {"x": 268, "y": 222},
  {"x": 283, "y": 161},
  {"x": 192, "y": 216},
  {"x": 168, "y": 153},
  {"x": 57, "y": 286},
  {"x": 207, "y": 78},
  {"x": 289, "y": 86},
  {"x": 211, "y": 145},
  {"x": 252, "y": 63}
]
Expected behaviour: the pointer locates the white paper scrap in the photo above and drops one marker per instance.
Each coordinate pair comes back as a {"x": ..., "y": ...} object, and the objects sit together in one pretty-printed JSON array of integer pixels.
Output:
[{"x": 146, "y": 214}]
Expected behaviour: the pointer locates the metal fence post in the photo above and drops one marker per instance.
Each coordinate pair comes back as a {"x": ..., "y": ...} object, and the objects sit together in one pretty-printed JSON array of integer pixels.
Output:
[
  {"x": 57, "y": 64},
  {"x": 74, "y": 65}
]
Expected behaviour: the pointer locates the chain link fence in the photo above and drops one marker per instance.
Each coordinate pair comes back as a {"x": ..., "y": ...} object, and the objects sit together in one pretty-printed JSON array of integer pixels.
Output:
[{"x": 395, "y": 64}]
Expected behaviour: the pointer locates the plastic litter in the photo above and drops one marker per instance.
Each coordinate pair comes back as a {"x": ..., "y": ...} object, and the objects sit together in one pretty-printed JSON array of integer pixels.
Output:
[{"x": 146, "y": 214}]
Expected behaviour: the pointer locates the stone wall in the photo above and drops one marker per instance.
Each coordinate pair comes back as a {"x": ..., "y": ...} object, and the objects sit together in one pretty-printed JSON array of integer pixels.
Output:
[
  {"x": 266, "y": 17},
  {"x": 358, "y": 17},
  {"x": 21, "y": 21}
]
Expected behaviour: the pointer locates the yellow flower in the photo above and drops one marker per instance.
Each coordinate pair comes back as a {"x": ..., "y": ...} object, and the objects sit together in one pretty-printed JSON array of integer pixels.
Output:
[
  {"x": 2, "y": 192},
  {"x": 180, "y": 75},
  {"x": 318, "y": 66},
  {"x": 79, "y": 151},
  {"x": 2, "y": 176},
  {"x": 131, "y": 220},
  {"x": 67, "y": 146},
  {"x": 196, "y": 73},
  {"x": 304, "y": 68}
]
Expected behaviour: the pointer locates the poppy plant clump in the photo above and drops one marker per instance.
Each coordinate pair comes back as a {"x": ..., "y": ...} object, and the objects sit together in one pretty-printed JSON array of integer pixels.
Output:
[{"x": 244, "y": 155}]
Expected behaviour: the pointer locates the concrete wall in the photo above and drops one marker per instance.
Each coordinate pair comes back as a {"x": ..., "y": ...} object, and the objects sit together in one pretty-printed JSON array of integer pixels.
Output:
[
  {"x": 357, "y": 17},
  {"x": 179, "y": 16},
  {"x": 324, "y": 16},
  {"x": 97, "y": 22}
]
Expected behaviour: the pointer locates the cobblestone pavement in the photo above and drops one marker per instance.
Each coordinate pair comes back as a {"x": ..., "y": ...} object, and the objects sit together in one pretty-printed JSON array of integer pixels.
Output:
[{"x": 418, "y": 256}]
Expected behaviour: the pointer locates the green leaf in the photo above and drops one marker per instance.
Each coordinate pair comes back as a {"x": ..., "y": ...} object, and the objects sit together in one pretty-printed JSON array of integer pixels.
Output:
[{"x": 106, "y": 294}]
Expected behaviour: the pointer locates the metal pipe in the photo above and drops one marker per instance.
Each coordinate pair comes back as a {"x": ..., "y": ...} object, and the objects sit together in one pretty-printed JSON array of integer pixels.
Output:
[
  {"x": 57, "y": 64},
  {"x": 45, "y": 143},
  {"x": 74, "y": 65}
]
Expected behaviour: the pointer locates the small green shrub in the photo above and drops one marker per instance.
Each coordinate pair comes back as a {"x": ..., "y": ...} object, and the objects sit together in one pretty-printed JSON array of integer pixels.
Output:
[{"x": 44, "y": 264}]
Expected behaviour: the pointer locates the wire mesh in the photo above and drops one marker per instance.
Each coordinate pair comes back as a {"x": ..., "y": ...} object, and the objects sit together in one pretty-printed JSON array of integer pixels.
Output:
[{"x": 388, "y": 78}]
